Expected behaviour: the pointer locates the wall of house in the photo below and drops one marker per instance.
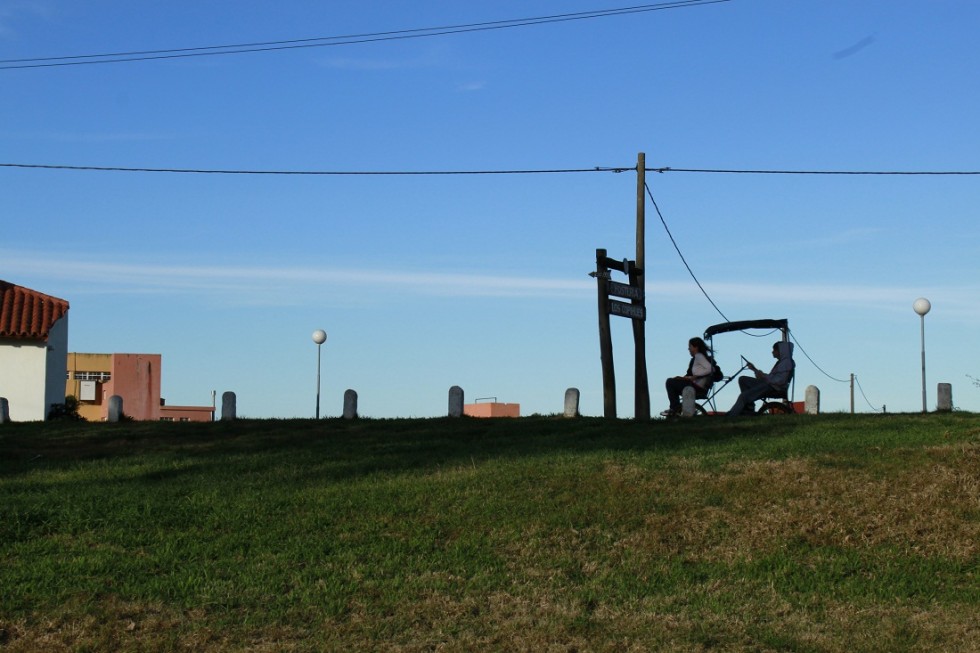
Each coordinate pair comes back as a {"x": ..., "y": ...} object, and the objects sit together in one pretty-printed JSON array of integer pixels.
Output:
[
  {"x": 136, "y": 378},
  {"x": 493, "y": 409},
  {"x": 56, "y": 363},
  {"x": 24, "y": 365},
  {"x": 186, "y": 413},
  {"x": 93, "y": 410}
]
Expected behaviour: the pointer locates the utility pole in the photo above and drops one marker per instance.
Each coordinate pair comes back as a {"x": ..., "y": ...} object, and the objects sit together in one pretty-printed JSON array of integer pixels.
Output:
[{"x": 641, "y": 390}]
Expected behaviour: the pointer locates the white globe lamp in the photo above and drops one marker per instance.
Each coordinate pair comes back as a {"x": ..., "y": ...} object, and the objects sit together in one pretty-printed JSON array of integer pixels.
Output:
[
  {"x": 922, "y": 306},
  {"x": 319, "y": 337}
]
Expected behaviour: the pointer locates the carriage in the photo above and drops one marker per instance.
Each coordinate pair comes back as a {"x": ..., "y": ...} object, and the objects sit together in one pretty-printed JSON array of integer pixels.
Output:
[{"x": 774, "y": 403}]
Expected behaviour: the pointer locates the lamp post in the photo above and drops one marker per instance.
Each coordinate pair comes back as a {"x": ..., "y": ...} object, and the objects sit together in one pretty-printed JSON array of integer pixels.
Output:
[
  {"x": 922, "y": 306},
  {"x": 319, "y": 337}
]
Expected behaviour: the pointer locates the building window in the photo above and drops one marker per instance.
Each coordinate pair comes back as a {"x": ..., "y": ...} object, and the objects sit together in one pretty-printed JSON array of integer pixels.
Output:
[{"x": 101, "y": 377}]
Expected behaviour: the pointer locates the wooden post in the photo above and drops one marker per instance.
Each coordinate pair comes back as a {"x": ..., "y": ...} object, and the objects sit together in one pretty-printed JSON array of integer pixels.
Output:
[
  {"x": 641, "y": 388},
  {"x": 641, "y": 400},
  {"x": 605, "y": 337}
]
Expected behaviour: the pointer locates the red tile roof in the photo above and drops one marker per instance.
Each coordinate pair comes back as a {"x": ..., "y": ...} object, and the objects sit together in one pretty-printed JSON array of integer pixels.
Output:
[{"x": 27, "y": 314}]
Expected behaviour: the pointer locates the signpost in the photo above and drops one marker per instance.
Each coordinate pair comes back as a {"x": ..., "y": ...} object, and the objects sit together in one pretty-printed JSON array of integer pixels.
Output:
[{"x": 634, "y": 310}]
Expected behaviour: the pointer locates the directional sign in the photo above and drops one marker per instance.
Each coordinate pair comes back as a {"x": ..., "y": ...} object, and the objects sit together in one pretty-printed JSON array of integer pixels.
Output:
[
  {"x": 627, "y": 310},
  {"x": 624, "y": 290}
]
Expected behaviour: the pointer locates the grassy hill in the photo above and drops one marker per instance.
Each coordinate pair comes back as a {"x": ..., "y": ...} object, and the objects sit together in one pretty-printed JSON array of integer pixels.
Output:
[{"x": 797, "y": 533}]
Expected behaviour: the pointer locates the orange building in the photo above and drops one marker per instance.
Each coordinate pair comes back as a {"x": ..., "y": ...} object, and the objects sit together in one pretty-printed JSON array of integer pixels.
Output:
[
  {"x": 93, "y": 378},
  {"x": 492, "y": 409}
]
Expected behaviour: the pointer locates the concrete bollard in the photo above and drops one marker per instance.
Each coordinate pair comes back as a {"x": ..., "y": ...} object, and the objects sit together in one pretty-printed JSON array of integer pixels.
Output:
[
  {"x": 4, "y": 410},
  {"x": 229, "y": 407},
  {"x": 115, "y": 408},
  {"x": 350, "y": 405},
  {"x": 455, "y": 401},
  {"x": 944, "y": 397},
  {"x": 571, "y": 402},
  {"x": 687, "y": 401},
  {"x": 811, "y": 405}
]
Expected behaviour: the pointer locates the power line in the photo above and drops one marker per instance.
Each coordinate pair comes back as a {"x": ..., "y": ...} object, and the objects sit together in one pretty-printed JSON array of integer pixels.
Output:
[
  {"x": 708, "y": 297},
  {"x": 832, "y": 378},
  {"x": 351, "y": 173},
  {"x": 864, "y": 395},
  {"x": 683, "y": 260},
  {"x": 819, "y": 172},
  {"x": 46, "y": 166},
  {"x": 328, "y": 41}
]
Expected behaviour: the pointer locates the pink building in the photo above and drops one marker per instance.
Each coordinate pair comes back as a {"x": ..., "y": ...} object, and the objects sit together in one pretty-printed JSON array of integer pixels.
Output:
[{"x": 93, "y": 378}]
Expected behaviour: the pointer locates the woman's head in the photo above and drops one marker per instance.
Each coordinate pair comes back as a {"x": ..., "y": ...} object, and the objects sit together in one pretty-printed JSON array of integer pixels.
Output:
[{"x": 697, "y": 345}]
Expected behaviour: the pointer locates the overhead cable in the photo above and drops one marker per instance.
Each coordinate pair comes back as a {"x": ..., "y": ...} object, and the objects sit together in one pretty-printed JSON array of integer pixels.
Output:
[
  {"x": 865, "y": 396},
  {"x": 678, "y": 249},
  {"x": 800, "y": 347},
  {"x": 329, "y": 41},
  {"x": 47, "y": 166},
  {"x": 353, "y": 173},
  {"x": 819, "y": 172}
]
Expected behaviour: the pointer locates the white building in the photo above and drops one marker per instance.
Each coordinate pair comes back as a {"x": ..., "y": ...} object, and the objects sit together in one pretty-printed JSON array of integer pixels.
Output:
[{"x": 33, "y": 351}]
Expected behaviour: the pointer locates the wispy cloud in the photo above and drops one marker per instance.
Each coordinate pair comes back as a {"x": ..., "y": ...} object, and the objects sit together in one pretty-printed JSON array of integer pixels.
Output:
[
  {"x": 470, "y": 87},
  {"x": 287, "y": 285},
  {"x": 280, "y": 282},
  {"x": 350, "y": 63},
  {"x": 434, "y": 57},
  {"x": 852, "y": 50},
  {"x": 846, "y": 237},
  {"x": 11, "y": 10},
  {"x": 86, "y": 137}
]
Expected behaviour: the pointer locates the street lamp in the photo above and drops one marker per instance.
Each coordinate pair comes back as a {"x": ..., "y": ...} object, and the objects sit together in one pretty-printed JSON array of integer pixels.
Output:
[
  {"x": 319, "y": 337},
  {"x": 922, "y": 306}
]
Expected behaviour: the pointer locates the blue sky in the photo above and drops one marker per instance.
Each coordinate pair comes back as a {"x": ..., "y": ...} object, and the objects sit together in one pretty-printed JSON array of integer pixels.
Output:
[{"x": 424, "y": 282}]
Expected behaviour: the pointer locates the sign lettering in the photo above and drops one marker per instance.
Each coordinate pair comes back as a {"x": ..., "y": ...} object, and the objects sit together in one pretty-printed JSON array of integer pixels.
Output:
[
  {"x": 627, "y": 310},
  {"x": 624, "y": 290}
]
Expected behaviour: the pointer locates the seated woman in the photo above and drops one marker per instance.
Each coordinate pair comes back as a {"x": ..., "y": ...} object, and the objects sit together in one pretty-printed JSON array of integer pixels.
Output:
[{"x": 698, "y": 376}]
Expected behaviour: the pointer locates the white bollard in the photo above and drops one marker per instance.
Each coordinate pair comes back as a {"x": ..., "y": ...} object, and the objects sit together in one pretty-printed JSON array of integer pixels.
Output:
[
  {"x": 687, "y": 401},
  {"x": 229, "y": 407},
  {"x": 811, "y": 404},
  {"x": 350, "y": 405},
  {"x": 455, "y": 401},
  {"x": 571, "y": 402},
  {"x": 944, "y": 397},
  {"x": 115, "y": 408}
]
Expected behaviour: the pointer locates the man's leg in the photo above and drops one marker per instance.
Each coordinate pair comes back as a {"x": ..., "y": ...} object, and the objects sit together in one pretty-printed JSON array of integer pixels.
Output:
[{"x": 752, "y": 390}]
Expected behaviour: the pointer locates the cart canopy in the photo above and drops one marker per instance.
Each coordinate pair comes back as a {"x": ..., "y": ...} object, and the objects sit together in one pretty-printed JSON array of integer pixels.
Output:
[{"x": 725, "y": 327}]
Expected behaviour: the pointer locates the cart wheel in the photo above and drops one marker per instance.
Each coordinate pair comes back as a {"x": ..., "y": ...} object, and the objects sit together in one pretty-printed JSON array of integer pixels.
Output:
[{"x": 775, "y": 408}]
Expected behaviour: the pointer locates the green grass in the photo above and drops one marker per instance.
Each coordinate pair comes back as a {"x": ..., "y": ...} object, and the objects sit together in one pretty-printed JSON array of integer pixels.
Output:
[{"x": 797, "y": 533}]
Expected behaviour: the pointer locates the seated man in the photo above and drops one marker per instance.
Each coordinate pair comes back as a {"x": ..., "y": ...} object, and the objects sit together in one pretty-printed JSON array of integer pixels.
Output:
[{"x": 774, "y": 383}]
